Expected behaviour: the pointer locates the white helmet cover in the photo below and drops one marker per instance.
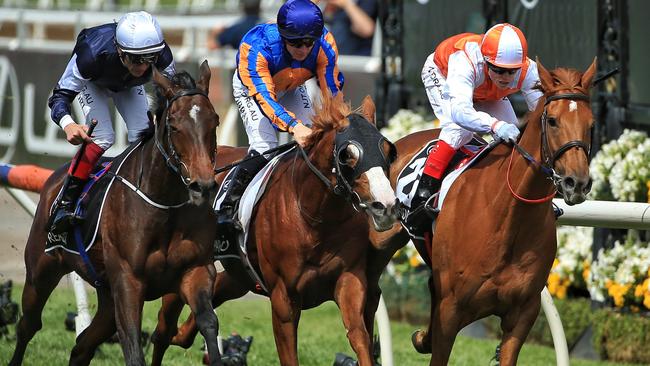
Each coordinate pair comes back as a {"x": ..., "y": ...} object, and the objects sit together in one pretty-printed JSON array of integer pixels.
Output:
[{"x": 139, "y": 33}]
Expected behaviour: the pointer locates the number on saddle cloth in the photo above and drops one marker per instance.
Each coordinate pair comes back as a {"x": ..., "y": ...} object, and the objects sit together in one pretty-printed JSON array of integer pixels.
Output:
[{"x": 409, "y": 178}]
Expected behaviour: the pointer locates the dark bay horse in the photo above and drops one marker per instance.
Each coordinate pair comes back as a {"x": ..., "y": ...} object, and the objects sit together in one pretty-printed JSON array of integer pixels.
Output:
[
  {"x": 493, "y": 246},
  {"x": 310, "y": 243},
  {"x": 151, "y": 241}
]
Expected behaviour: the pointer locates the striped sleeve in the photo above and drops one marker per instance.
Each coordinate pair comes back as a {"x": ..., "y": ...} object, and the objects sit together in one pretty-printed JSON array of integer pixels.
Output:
[
  {"x": 254, "y": 73},
  {"x": 327, "y": 70}
]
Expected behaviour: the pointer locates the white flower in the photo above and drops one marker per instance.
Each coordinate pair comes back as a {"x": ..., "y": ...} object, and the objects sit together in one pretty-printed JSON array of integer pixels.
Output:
[{"x": 403, "y": 123}]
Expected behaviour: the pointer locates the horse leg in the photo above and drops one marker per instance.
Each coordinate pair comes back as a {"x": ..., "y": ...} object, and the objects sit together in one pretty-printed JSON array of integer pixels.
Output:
[
  {"x": 445, "y": 324},
  {"x": 100, "y": 329},
  {"x": 128, "y": 295},
  {"x": 372, "y": 303},
  {"x": 171, "y": 308},
  {"x": 225, "y": 288},
  {"x": 422, "y": 339},
  {"x": 38, "y": 288},
  {"x": 285, "y": 314},
  {"x": 350, "y": 295},
  {"x": 515, "y": 326},
  {"x": 197, "y": 287}
]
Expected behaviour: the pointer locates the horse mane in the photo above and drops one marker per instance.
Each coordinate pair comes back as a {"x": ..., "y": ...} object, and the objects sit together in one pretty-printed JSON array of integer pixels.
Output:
[
  {"x": 330, "y": 115},
  {"x": 181, "y": 80},
  {"x": 563, "y": 79}
]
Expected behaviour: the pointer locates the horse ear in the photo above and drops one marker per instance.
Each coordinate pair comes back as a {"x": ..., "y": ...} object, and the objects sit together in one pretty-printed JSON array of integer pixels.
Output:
[
  {"x": 204, "y": 79},
  {"x": 588, "y": 76},
  {"x": 164, "y": 83},
  {"x": 545, "y": 76},
  {"x": 368, "y": 109}
]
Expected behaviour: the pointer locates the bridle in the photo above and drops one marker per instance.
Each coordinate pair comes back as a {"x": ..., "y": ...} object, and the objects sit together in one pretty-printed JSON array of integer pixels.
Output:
[
  {"x": 173, "y": 160},
  {"x": 359, "y": 133},
  {"x": 549, "y": 158}
]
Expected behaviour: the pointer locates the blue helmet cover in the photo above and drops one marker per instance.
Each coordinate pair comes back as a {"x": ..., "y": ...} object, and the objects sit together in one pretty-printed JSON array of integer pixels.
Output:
[{"x": 300, "y": 19}]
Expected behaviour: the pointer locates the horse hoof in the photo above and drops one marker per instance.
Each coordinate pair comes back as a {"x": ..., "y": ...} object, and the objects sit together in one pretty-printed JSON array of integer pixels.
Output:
[{"x": 417, "y": 338}]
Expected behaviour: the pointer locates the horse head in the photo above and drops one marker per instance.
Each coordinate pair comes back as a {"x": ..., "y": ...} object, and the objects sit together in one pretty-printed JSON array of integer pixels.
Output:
[
  {"x": 361, "y": 161},
  {"x": 566, "y": 124},
  {"x": 187, "y": 140}
]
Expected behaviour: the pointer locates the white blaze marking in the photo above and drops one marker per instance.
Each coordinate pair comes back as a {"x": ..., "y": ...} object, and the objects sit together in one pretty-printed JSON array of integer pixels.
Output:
[
  {"x": 194, "y": 111},
  {"x": 380, "y": 187},
  {"x": 573, "y": 106}
]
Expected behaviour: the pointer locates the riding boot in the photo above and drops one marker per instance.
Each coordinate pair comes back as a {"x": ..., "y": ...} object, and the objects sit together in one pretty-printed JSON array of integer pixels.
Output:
[
  {"x": 64, "y": 217},
  {"x": 237, "y": 183},
  {"x": 78, "y": 174},
  {"x": 421, "y": 212}
]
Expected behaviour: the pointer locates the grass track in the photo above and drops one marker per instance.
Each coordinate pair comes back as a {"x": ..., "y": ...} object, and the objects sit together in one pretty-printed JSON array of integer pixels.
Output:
[{"x": 321, "y": 336}]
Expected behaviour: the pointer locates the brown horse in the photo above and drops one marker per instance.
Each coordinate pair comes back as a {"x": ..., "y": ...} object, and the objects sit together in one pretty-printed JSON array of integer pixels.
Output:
[
  {"x": 153, "y": 239},
  {"x": 310, "y": 243},
  {"x": 493, "y": 246}
]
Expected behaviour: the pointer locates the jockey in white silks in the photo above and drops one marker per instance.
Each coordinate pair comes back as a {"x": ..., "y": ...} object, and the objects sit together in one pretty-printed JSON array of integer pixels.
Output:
[{"x": 468, "y": 79}]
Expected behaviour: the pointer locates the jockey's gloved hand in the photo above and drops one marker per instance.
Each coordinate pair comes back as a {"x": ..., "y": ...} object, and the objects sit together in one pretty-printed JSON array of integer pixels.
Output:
[{"x": 506, "y": 131}]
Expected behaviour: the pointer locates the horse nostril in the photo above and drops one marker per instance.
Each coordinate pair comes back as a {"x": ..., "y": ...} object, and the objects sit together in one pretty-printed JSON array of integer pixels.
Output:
[
  {"x": 569, "y": 182},
  {"x": 378, "y": 206},
  {"x": 195, "y": 187}
]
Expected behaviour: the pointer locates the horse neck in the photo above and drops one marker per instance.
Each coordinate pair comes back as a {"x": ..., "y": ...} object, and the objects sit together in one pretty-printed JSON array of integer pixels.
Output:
[{"x": 526, "y": 179}]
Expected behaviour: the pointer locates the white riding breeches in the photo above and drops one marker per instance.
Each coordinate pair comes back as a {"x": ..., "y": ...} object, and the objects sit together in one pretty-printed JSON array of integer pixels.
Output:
[
  {"x": 262, "y": 135},
  {"x": 132, "y": 105},
  {"x": 453, "y": 134}
]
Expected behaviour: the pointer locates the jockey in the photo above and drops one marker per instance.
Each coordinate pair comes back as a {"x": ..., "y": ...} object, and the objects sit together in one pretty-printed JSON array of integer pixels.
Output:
[
  {"x": 468, "y": 79},
  {"x": 108, "y": 61},
  {"x": 273, "y": 63}
]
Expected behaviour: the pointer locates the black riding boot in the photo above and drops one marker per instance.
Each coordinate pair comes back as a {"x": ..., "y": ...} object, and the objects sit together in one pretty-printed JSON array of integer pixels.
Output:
[
  {"x": 64, "y": 217},
  {"x": 237, "y": 183},
  {"x": 419, "y": 217}
]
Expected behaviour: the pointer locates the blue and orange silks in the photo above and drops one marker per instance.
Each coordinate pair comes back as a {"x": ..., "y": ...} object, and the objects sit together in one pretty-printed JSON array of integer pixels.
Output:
[{"x": 266, "y": 68}]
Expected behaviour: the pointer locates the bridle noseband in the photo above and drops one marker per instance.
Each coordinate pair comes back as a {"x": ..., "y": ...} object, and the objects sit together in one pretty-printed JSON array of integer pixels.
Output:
[
  {"x": 548, "y": 160},
  {"x": 173, "y": 161}
]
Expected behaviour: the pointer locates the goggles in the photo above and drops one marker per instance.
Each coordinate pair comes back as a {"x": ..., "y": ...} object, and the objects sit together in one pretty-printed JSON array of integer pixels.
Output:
[
  {"x": 300, "y": 42},
  {"x": 147, "y": 58},
  {"x": 501, "y": 70}
]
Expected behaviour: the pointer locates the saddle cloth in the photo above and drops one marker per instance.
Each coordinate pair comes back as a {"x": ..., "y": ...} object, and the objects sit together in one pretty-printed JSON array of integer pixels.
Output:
[
  {"x": 253, "y": 193},
  {"x": 89, "y": 205},
  {"x": 409, "y": 177}
]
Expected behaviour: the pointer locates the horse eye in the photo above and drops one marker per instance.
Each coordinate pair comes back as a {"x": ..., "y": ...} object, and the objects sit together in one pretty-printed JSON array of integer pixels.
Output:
[
  {"x": 173, "y": 129},
  {"x": 552, "y": 122}
]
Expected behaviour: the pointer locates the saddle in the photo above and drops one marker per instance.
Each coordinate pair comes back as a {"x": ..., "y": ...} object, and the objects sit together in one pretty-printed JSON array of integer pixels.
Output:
[
  {"x": 410, "y": 176},
  {"x": 233, "y": 255}
]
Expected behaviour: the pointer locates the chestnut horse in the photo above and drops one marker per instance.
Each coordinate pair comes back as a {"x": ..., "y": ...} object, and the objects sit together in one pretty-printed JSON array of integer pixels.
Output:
[
  {"x": 153, "y": 239},
  {"x": 494, "y": 240},
  {"x": 309, "y": 239}
]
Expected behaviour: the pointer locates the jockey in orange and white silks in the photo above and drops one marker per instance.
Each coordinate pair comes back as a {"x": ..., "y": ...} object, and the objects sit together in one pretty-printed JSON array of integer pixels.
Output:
[{"x": 468, "y": 79}]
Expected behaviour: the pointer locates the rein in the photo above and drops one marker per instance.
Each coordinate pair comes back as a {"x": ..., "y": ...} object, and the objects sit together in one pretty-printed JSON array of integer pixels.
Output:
[{"x": 549, "y": 159}]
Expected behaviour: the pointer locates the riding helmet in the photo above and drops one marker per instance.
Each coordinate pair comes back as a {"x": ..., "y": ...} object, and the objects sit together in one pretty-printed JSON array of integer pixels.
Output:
[
  {"x": 139, "y": 33},
  {"x": 300, "y": 19},
  {"x": 504, "y": 45}
]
